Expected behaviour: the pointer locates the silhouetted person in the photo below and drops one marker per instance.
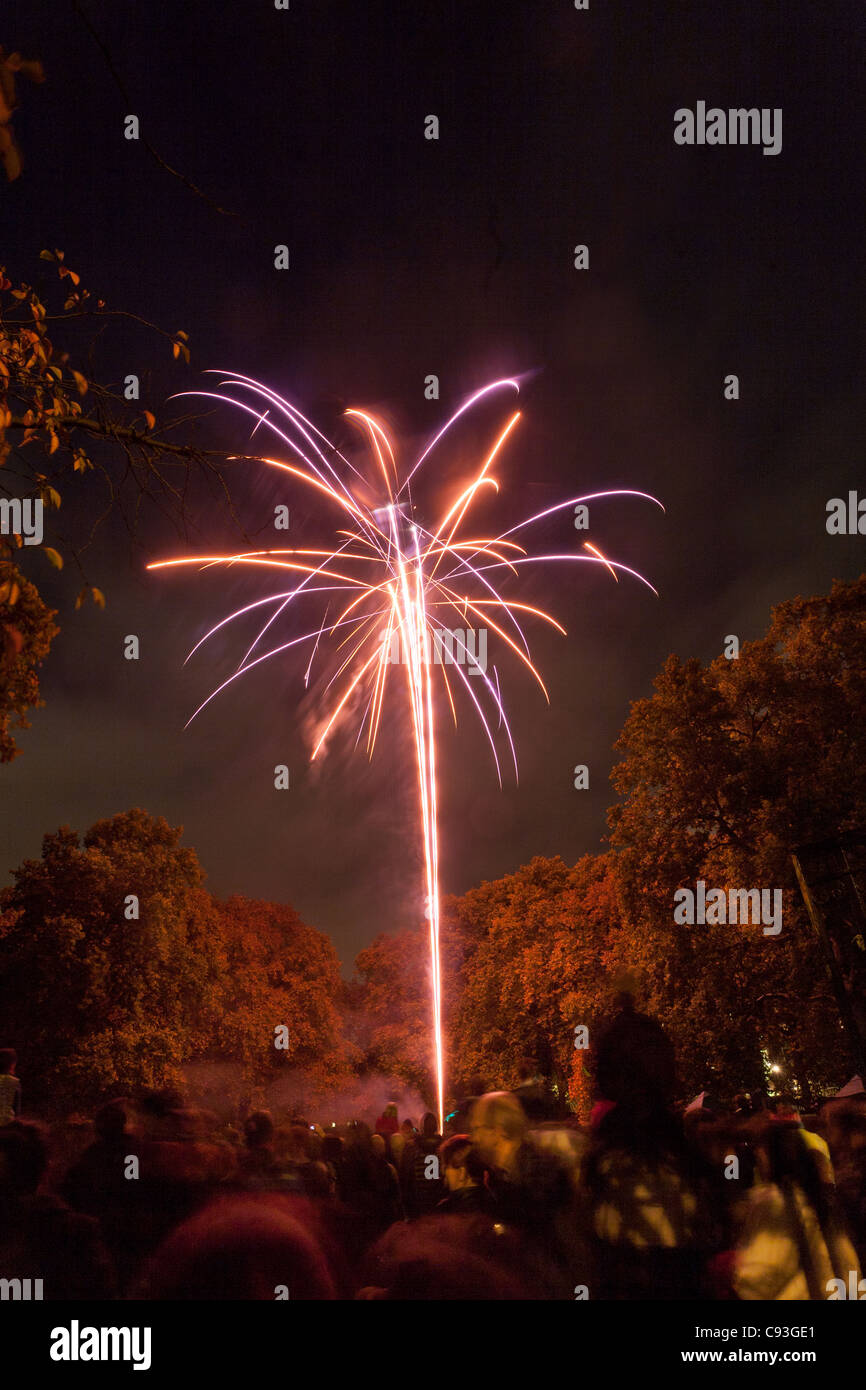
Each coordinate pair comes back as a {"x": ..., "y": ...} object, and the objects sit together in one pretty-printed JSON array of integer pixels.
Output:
[
  {"x": 40, "y": 1236},
  {"x": 386, "y": 1179},
  {"x": 365, "y": 1181},
  {"x": 654, "y": 1221},
  {"x": 846, "y": 1135},
  {"x": 179, "y": 1168},
  {"x": 257, "y": 1160},
  {"x": 95, "y": 1182},
  {"x": 421, "y": 1180}
]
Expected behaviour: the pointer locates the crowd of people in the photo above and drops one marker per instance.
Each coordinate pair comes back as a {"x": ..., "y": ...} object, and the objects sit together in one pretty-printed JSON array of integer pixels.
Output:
[{"x": 161, "y": 1200}]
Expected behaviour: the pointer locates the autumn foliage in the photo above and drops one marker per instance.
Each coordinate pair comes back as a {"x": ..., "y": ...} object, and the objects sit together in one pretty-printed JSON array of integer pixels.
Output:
[
  {"x": 724, "y": 771},
  {"x": 100, "y": 993}
]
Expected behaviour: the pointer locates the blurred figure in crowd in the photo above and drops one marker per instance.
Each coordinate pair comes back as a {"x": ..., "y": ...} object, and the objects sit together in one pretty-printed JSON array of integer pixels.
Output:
[
  {"x": 41, "y": 1237},
  {"x": 420, "y": 1177},
  {"x": 654, "y": 1222},
  {"x": 464, "y": 1176},
  {"x": 387, "y": 1123},
  {"x": 252, "y": 1247},
  {"x": 793, "y": 1239}
]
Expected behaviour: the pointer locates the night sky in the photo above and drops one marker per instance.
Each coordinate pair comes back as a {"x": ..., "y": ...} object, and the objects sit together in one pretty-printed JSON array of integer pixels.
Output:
[{"x": 453, "y": 257}]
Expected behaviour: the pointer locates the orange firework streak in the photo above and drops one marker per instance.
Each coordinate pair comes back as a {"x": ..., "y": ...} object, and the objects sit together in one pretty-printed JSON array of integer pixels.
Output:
[{"x": 388, "y": 576}]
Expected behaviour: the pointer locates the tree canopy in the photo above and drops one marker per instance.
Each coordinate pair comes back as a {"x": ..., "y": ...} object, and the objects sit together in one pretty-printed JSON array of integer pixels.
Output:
[
  {"x": 117, "y": 967},
  {"x": 726, "y": 770},
  {"x": 96, "y": 997}
]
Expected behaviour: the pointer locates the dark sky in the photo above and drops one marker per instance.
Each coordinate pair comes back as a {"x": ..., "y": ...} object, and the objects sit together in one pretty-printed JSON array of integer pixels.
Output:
[{"x": 411, "y": 257}]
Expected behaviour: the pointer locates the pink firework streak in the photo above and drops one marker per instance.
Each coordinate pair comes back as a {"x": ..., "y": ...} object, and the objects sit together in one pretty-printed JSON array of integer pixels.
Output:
[{"x": 391, "y": 579}]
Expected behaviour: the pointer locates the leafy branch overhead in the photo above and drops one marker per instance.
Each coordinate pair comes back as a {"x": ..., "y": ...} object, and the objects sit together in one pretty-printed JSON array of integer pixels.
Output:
[
  {"x": 61, "y": 426},
  {"x": 52, "y": 414}
]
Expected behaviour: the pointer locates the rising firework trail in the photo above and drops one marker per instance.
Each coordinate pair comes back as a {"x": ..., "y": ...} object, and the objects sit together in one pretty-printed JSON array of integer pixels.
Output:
[{"x": 389, "y": 583}]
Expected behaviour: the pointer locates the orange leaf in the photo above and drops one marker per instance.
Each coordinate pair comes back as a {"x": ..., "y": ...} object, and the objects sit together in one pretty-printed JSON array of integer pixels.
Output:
[{"x": 14, "y": 638}]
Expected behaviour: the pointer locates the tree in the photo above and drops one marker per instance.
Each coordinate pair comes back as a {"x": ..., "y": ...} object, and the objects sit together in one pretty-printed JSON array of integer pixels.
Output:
[
  {"x": 98, "y": 999},
  {"x": 526, "y": 960},
  {"x": 94, "y": 998},
  {"x": 393, "y": 1004},
  {"x": 26, "y": 631},
  {"x": 542, "y": 968},
  {"x": 726, "y": 770},
  {"x": 279, "y": 972}
]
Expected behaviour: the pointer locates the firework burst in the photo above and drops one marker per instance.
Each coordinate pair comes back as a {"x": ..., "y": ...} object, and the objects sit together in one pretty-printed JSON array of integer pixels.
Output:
[{"x": 388, "y": 583}]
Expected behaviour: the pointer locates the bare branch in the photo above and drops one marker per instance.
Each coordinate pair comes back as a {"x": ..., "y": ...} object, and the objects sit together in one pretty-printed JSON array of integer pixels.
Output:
[{"x": 226, "y": 212}]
